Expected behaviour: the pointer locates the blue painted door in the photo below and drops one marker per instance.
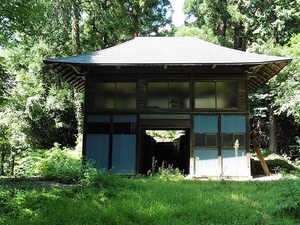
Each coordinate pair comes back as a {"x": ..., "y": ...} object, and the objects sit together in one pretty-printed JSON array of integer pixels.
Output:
[
  {"x": 234, "y": 159},
  {"x": 124, "y": 145},
  {"x": 124, "y": 154},
  {"x": 97, "y": 140},
  {"x": 97, "y": 149},
  {"x": 206, "y": 145}
]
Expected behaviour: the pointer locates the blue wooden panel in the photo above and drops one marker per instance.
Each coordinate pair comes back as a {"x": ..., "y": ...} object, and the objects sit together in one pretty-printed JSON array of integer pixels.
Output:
[
  {"x": 233, "y": 124},
  {"x": 235, "y": 165},
  {"x": 97, "y": 148},
  {"x": 206, "y": 163},
  {"x": 125, "y": 118},
  {"x": 206, "y": 123},
  {"x": 124, "y": 154},
  {"x": 97, "y": 118}
]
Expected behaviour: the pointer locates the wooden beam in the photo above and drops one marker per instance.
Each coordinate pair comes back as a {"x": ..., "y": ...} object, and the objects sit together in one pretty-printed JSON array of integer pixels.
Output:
[{"x": 254, "y": 134}]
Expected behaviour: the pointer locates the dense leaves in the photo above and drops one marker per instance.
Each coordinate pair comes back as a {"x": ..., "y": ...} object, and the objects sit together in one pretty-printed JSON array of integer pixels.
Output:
[
  {"x": 275, "y": 20},
  {"x": 37, "y": 108}
]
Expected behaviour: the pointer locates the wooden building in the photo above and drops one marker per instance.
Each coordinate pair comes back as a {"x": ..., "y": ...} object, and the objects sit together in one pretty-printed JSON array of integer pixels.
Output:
[{"x": 168, "y": 83}]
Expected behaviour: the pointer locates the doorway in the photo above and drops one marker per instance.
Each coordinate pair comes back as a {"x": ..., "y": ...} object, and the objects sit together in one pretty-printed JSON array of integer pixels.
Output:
[{"x": 164, "y": 147}]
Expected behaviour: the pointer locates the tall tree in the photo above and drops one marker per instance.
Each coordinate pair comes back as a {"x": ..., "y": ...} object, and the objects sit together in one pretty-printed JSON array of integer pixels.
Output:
[
  {"x": 282, "y": 94},
  {"x": 40, "y": 108},
  {"x": 210, "y": 15},
  {"x": 245, "y": 22},
  {"x": 263, "y": 20},
  {"x": 75, "y": 25}
]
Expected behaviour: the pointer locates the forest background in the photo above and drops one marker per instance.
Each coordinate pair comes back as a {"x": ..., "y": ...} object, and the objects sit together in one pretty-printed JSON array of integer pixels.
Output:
[{"x": 38, "y": 109}]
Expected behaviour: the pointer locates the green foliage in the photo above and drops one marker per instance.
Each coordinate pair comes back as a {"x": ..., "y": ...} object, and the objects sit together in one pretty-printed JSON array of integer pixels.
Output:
[
  {"x": 289, "y": 200},
  {"x": 281, "y": 95},
  {"x": 286, "y": 84},
  {"x": 204, "y": 33},
  {"x": 277, "y": 20},
  {"x": 19, "y": 18},
  {"x": 147, "y": 201},
  {"x": 245, "y": 22},
  {"x": 168, "y": 173},
  {"x": 39, "y": 108},
  {"x": 219, "y": 21},
  {"x": 60, "y": 166},
  {"x": 165, "y": 135},
  {"x": 165, "y": 173}
]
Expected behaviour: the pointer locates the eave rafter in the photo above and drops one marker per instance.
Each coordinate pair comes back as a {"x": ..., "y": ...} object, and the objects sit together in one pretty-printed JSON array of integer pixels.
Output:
[
  {"x": 74, "y": 75},
  {"x": 261, "y": 74}
]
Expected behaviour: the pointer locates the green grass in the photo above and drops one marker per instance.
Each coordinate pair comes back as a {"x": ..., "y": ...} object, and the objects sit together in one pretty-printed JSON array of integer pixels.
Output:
[
  {"x": 90, "y": 196},
  {"x": 118, "y": 200}
]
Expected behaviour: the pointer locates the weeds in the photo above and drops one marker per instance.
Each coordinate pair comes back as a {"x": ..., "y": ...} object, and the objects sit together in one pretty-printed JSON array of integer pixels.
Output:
[
  {"x": 289, "y": 200},
  {"x": 166, "y": 173}
]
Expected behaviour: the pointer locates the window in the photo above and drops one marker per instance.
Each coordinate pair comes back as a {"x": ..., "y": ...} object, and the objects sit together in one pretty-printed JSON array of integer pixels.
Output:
[
  {"x": 168, "y": 95},
  {"x": 205, "y": 140},
  {"x": 124, "y": 128},
  {"x": 230, "y": 139},
  {"x": 115, "y": 96},
  {"x": 215, "y": 94},
  {"x": 158, "y": 95},
  {"x": 205, "y": 95},
  {"x": 226, "y": 95},
  {"x": 125, "y": 95},
  {"x": 179, "y": 95},
  {"x": 98, "y": 128}
]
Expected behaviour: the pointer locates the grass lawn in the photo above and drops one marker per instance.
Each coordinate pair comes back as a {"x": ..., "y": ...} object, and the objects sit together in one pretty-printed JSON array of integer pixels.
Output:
[{"x": 116, "y": 200}]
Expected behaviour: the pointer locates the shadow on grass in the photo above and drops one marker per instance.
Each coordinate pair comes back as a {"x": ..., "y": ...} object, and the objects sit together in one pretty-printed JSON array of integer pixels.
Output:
[{"x": 274, "y": 165}]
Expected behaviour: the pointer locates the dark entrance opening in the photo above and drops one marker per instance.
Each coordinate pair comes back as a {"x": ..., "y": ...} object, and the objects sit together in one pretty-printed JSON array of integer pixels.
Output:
[{"x": 165, "y": 147}]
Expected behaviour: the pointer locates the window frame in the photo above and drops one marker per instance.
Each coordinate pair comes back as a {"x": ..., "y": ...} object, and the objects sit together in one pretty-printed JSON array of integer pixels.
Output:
[
  {"x": 215, "y": 82},
  {"x": 169, "y": 97},
  {"x": 241, "y": 146},
  {"x": 205, "y": 146},
  {"x": 114, "y": 96}
]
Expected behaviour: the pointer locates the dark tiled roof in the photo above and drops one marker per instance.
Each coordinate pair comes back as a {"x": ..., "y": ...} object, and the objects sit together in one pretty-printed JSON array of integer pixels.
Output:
[{"x": 170, "y": 51}]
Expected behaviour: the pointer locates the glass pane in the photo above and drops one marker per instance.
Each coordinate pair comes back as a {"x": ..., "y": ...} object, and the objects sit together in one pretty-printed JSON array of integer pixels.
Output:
[
  {"x": 199, "y": 139},
  {"x": 105, "y": 96},
  {"x": 211, "y": 140},
  {"x": 125, "y": 96},
  {"x": 179, "y": 95},
  {"x": 158, "y": 95},
  {"x": 227, "y": 94},
  {"x": 227, "y": 140},
  {"x": 205, "y": 95},
  {"x": 241, "y": 139}
]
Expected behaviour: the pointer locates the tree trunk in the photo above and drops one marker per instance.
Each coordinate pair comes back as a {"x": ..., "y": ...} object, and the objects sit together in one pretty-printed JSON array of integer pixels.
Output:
[
  {"x": 135, "y": 22},
  {"x": 13, "y": 158},
  {"x": 238, "y": 41},
  {"x": 222, "y": 27},
  {"x": 75, "y": 27},
  {"x": 105, "y": 34},
  {"x": 2, "y": 163},
  {"x": 273, "y": 132}
]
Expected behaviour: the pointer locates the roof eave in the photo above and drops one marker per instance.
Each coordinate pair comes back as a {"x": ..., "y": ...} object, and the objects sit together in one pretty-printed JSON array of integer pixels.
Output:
[{"x": 259, "y": 73}]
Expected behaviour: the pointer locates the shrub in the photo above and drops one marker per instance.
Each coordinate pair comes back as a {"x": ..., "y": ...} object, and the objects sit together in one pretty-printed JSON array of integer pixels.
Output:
[{"x": 61, "y": 166}]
